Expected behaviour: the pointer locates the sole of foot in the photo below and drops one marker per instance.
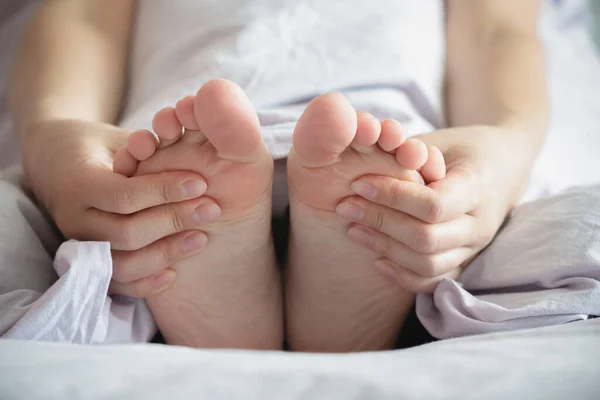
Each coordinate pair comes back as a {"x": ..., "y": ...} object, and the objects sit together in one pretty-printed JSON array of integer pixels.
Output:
[
  {"x": 228, "y": 295},
  {"x": 336, "y": 300}
]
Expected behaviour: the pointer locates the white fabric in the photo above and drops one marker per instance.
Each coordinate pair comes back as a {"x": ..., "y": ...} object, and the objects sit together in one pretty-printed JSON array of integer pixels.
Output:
[
  {"x": 76, "y": 308},
  {"x": 554, "y": 363},
  {"x": 284, "y": 52},
  {"x": 542, "y": 269}
]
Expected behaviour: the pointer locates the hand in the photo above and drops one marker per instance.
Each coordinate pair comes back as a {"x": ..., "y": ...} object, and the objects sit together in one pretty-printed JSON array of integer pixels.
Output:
[
  {"x": 426, "y": 233},
  {"x": 68, "y": 164}
]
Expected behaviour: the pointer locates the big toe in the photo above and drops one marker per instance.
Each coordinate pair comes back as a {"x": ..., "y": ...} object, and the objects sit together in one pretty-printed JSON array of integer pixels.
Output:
[
  {"x": 226, "y": 117},
  {"x": 325, "y": 129}
]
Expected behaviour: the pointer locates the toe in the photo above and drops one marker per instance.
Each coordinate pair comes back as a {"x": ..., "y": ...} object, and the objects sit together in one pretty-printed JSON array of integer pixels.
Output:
[
  {"x": 367, "y": 132},
  {"x": 392, "y": 135},
  {"x": 124, "y": 163},
  {"x": 226, "y": 117},
  {"x": 325, "y": 130},
  {"x": 167, "y": 126},
  {"x": 434, "y": 168},
  {"x": 412, "y": 154},
  {"x": 141, "y": 144},
  {"x": 184, "y": 109}
]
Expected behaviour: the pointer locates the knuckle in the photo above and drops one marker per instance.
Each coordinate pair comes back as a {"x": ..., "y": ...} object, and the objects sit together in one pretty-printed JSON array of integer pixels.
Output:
[
  {"x": 425, "y": 240},
  {"x": 395, "y": 194},
  {"x": 122, "y": 201},
  {"x": 431, "y": 267},
  {"x": 435, "y": 210},
  {"x": 176, "y": 220},
  {"x": 163, "y": 191},
  {"x": 378, "y": 220}
]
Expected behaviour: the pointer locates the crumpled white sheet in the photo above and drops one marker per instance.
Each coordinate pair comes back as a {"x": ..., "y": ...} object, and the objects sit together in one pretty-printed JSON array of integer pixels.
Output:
[
  {"x": 542, "y": 269},
  {"x": 76, "y": 309}
]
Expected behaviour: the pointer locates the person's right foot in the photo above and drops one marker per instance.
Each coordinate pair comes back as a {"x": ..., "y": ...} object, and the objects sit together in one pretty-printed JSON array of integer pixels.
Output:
[
  {"x": 336, "y": 300},
  {"x": 228, "y": 295}
]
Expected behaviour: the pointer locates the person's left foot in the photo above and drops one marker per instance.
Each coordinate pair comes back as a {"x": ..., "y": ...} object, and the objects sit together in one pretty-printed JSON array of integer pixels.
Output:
[{"x": 336, "y": 300}]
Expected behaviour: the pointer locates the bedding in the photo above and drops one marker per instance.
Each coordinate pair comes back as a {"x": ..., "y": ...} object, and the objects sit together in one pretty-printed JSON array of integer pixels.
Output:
[
  {"x": 559, "y": 362},
  {"x": 555, "y": 362}
]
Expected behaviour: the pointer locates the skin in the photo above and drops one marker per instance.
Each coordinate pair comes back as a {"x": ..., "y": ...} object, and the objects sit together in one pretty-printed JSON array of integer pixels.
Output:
[
  {"x": 69, "y": 141},
  {"x": 497, "y": 111}
]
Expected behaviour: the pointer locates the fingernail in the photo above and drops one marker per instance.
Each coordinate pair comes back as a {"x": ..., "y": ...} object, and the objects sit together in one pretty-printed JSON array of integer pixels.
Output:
[
  {"x": 386, "y": 269},
  {"x": 350, "y": 211},
  {"x": 193, "y": 242},
  {"x": 163, "y": 279},
  {"x": 193, "y": 189},
  {"x": 207, "y": 213},
  {"x": 364, "y": 189},
  {"x": 361, "y": 236}
]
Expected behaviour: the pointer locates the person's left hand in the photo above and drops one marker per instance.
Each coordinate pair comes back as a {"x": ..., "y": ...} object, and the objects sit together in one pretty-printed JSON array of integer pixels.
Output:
[{"x": 426, "y": 233}]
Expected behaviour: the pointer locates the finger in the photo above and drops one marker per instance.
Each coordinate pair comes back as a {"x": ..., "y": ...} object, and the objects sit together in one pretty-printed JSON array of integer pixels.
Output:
[
  {"x": 132, "y": 232},
  {"x": 420, "y": 236},
  {"x": 129, "y": 266},
  {"x": 410, "y": 281},
  {"x": 145, "y": 287},
  {"x": 110, "y": 192},
  {"x": 452, "y": 196},
  {"x": 425, "y": 265}
]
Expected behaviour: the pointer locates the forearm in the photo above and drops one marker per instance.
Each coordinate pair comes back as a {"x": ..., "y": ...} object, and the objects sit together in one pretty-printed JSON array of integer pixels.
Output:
[
  {"x": 496, "y": 73},
  {"x": 72, "y": 62}
]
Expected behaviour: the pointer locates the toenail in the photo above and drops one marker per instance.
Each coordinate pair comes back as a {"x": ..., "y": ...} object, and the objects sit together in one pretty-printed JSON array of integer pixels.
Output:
[
  {"x": 364, "y": 189},
  {"x": 193, "y": 242},
  {"x": 193, "y": 189},
  {"x": 207, "y": 213},
  {"x": 350, "y": 211},
  {"x": 361, "y": 236}
]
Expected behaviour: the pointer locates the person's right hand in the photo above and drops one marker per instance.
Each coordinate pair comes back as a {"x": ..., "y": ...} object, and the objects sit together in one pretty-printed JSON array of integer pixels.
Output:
[{"x": 68, "y": 165}]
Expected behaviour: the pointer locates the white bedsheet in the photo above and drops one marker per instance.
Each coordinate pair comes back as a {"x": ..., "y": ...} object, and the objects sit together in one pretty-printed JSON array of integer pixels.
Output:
[{"x": 559, "y": 363}]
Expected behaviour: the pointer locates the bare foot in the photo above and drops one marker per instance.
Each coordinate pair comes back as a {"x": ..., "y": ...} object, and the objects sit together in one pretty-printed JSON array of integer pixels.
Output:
[
  {"x": 229, "y": 295},
  {"x": 336, "y": 300}
]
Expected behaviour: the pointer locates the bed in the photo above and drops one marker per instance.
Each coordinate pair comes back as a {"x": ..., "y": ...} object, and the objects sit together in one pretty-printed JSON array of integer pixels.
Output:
[{"x": 547, "y": 363}]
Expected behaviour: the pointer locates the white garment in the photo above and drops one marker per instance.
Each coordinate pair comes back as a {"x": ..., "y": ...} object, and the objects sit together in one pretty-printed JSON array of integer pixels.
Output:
[{"x": 385, "y": 55}]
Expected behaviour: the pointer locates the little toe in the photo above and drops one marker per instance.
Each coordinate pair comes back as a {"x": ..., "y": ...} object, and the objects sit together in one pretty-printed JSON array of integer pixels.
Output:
[
  {"x": 167, "y": 126},
  {"x": 412, "y": 154},
  {"x": 124, "y": 163},
  {"x": 392, "y": 135},
  {"x": 367, "y": 132},
  {"x": 434, "y": 168},
  {"x": 141, "y": 144}
]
